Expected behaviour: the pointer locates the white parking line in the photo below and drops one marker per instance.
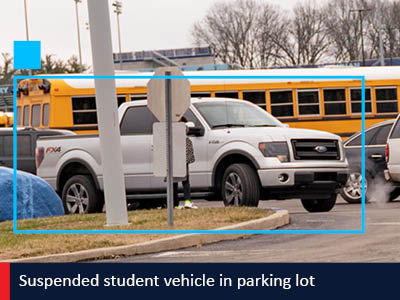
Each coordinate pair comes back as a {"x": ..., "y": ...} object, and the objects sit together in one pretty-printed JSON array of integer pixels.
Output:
[
  {"x": 386, "y": 223},
  {"x": 321, "y": 221},
  {"x": 224, "y": 253},
  {"x": 191, "y": 254}
]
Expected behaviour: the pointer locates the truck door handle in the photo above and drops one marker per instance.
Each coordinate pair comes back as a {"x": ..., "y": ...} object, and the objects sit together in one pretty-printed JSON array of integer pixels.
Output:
[{"x": 376, "y": 156}]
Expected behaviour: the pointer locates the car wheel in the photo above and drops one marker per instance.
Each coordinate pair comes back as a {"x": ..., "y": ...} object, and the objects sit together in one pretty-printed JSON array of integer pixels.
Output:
[
  {"x": 240, "y": 186},
  {"x": 352, "y": 191},
  {"x": 319, "y": 205},
  {"x": 81, "y": 196}
]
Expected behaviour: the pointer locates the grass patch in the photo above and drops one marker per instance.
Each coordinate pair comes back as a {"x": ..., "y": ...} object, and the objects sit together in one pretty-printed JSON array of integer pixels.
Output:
[{"x": 29, "y": 245}]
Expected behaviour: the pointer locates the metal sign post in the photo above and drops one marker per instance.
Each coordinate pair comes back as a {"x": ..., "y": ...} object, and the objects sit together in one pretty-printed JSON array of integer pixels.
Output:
[
  {"x": 107, "y": 113},
  {"x": 168, "y": 100},
  {"x": 170, "y": 183}
]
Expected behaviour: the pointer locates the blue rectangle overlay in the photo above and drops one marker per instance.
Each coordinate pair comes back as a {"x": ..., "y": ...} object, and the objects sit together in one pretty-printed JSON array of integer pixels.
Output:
[
  {"x": 361, "y": 79},
  {"x": 27, "y": 55}
]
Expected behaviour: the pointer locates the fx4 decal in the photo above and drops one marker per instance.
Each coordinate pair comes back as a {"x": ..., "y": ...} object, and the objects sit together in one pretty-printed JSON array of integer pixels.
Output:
[{"x": 53, "y": 149}]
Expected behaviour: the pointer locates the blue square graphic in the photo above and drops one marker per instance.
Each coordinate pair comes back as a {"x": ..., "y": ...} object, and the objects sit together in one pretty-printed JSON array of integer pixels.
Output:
[
  {"x": 27, "y": 55},
  {"x": 361, "y": 79}
]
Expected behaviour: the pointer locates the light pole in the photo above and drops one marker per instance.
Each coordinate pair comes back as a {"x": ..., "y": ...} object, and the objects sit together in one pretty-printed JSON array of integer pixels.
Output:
[
  {"x": 381, "y": 56},
  {"x": 118, "y": 11},
  {"x": 79, "y": 35},
  {"x": 360, "y": 14},
  {"x": 26, "y": 30},
  {"x": 26, "y": 22},
  {"x": 107, "y": 113}
]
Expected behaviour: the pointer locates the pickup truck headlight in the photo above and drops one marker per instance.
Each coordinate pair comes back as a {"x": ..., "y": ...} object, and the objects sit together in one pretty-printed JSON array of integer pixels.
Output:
[{"x": 279, "y": 150}]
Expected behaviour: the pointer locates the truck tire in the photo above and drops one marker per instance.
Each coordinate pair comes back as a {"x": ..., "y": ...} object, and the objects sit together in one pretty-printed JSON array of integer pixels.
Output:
[
  {"x": 80, "y": 195},
  {"x": 240, "y": 186},
  {"x": 319, "y": 205}
]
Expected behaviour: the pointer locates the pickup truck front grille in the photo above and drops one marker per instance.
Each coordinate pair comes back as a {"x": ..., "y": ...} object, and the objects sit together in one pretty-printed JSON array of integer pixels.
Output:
[{"x": 315, "y": 149}]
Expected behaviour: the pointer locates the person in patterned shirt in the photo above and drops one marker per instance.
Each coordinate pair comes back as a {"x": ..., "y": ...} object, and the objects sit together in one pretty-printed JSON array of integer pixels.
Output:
[{"x": 185, "y": 182}]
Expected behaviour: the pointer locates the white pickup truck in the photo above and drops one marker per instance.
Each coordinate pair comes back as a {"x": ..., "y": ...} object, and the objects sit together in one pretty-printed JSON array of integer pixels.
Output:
[{"x": 242, "y": 153}]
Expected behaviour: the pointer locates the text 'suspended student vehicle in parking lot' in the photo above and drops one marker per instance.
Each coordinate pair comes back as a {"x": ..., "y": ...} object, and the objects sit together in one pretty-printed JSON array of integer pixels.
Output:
[{"x": 242, "y": 153}]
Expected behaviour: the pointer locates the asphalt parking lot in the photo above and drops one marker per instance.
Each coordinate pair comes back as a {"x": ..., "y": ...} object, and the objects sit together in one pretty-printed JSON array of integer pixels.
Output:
[{"x": 379, "y": 243}]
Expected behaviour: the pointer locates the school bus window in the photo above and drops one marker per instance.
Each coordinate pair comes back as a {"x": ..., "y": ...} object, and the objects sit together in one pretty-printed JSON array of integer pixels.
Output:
[
  {"x": 26, "y": 115},
  {"x": 386, "y": 100},
  {"x": 281, "y": 103},
  {"x": 138, "y": 97},
  {"x": 308, "y": 102},
  {"x": 46, "y": 114},
  {"x": 81, "y": 118},
  {"x": 234, "y": 95},
  {"x": 355, "y": 99},
  {"x": 84, "y": 110},
  {"x": 335, "y": 101},
  {"x": 35, "y": 118},
  {"x": 201, "y": 94},
  {"x": 257, "y": 97},
  {"x": 121, "y": 99},
  {"x": 19, "y": 116}
]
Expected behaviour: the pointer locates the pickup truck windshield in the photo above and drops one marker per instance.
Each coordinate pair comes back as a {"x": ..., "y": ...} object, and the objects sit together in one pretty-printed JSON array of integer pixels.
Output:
[{"x": 235, "y": 114}]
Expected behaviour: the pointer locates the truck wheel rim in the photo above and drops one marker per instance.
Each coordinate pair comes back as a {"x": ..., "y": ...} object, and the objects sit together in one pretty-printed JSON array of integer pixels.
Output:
[
  {"x": 353, "y": 187},
  {"x": 233, "y": 189},
  {"x": 77, "y": 199}
]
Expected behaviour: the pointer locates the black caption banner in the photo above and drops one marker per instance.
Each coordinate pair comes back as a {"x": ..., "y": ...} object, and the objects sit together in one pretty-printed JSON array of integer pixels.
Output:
[{"x": 202, "y": 281}]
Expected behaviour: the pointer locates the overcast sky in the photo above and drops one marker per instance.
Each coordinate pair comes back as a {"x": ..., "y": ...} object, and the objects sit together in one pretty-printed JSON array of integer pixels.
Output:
[{"x": 145, "y": 24}]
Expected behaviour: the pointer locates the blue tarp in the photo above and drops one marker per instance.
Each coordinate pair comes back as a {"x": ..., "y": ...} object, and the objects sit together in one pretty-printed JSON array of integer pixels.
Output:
[{"x": 35, "y": 197}]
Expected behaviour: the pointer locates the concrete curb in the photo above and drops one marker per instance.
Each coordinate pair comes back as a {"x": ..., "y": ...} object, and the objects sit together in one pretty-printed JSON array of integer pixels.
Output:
[{"x": 278, "y": 219}]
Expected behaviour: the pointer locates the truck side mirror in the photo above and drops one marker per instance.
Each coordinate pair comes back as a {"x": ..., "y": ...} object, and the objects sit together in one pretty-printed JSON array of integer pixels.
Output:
[{"x": 196, "y": 131}]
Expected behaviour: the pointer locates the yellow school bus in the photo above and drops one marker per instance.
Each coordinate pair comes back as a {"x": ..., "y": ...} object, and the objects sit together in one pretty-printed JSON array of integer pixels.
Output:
[
  {"x": 329, "y": 103},
  {"x": 6, "y": 119}
]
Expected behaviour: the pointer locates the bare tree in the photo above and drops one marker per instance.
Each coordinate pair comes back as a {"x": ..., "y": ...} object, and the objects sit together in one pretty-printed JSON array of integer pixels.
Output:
[
  {"x": 73, "y": 66},
  {"x": 394, "y": 18},
  {"x": 304, "y": 39},
  {"x": 270, "y": 27},
  {"x": 343, "y": 28},
  {"x": 253, "y": 34},
  {"x": 50, "y": 65},
  {"x": 235, "y": 32},
  {"x": 6, "y": 70},
  {"x": 391, "y": 29},
  {"x": 372, "y": 34},
  {"x": 388, "y": 18}
]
